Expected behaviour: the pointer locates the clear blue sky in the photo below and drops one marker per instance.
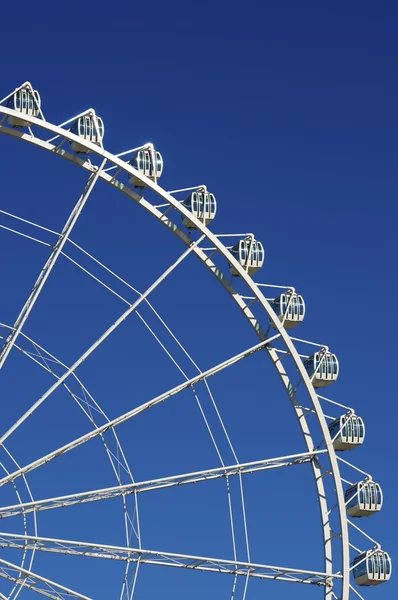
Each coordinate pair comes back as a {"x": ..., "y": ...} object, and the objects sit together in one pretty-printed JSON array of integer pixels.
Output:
[{"x": 288, "y": 112}]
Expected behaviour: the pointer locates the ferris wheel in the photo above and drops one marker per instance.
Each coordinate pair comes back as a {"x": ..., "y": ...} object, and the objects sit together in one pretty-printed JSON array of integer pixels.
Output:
[{"x": 345, "y": 493}]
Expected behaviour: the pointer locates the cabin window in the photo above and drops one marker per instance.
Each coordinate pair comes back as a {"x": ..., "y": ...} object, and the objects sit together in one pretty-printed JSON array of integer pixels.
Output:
[{"x": 159, "y": 164}]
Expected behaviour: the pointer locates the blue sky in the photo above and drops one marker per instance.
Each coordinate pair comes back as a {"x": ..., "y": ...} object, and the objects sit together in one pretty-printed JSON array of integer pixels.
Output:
[{"x": 287, "y": 111}]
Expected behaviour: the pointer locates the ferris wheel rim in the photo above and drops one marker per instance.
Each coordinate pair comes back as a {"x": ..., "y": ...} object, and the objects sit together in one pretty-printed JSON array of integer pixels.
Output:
[{"x": 217, "y": 243}]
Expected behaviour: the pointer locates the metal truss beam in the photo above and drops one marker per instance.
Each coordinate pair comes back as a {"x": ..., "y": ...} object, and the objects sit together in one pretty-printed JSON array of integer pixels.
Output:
[
  {"x": 253, "y": 289},
  {"x": 166, "y": 559},
  {"x": 99, "y": 341},
  {"x": 135, "y": 411},
  {"x": 50, "y": 263},
  {"x": 32, "y": 581},
  {"x": 156, "y": 484}
]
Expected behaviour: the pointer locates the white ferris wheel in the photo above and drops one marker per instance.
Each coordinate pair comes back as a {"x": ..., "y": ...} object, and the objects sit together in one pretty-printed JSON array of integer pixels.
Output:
[{"x": 345, "y": 494}]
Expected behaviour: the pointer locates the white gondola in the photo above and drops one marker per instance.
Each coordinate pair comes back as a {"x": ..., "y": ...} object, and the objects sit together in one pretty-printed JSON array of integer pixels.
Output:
[
  {"x": 363, "y": 499},
  {"x": 323, "y": 368},
  {"x": 290, "y": 309},
  {"x": 202, "y": 205},
  {"x": 148, "y": 162},
  {"x": 347, "y": 432},
  {"x": 26, "y": 102},
  {"x": 250, "y": 254},
  {"x": 372, "y": 567},
  {"x": 89, "y": 128}
]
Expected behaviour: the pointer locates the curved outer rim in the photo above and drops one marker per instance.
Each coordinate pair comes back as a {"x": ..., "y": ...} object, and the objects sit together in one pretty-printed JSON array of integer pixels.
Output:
[{"x": 255, "y": 290}]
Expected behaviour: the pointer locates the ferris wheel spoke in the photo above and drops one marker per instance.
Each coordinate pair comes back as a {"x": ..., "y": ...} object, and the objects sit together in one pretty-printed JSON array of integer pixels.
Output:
[
  {"x": 175, "y": 362},
  {"x": 135, "y": 411},
  {"x": 156, "y": 484},
  {"x": 132, "y": 308},
  {"x": 46, "y": 270},
  {"x": 356, "y": 592},
  {"x": 166, "y": 559},
  {"x": 118, "y": 460},
  {"x": 37, "y": 583},
  {"x": 88, "y": 404},
  {"x": 139, "y": 175}
]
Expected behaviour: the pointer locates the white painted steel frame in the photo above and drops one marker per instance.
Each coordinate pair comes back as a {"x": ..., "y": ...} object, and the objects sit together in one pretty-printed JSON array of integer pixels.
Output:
[
  {"x": 120, "y": 460},
  {"x": 97, "y": 343},
  {"x": 49, "y": 265},
  {"x": 24, "y": 556},
  {"x": 255, "y": 290},
  {"x": 32, "y": 581},
  {"x": 157, "y": 484},
  {"x": 135, "y": 411},
  {"x": 40, "y": 350},
  {"x": 170, "y": 559}
]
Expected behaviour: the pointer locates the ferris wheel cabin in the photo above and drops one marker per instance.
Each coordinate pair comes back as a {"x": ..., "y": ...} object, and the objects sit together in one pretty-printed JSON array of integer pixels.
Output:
[
  {"x": 323, "y": 368},
  {"x": 26, "y": 102},
  {"x": 89, "y": 128},
  {"x": 372, "y": 567},
  {"x": 250, "y": 255},
  {"x": 347, "y": 432},
  {"x": 149, "y": 163},
  {"x": 202, "y": 205},
  {"x": 363, "y": 499},
  {"x": 290, "y": 309}
]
